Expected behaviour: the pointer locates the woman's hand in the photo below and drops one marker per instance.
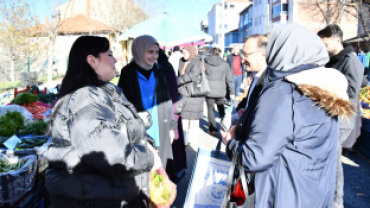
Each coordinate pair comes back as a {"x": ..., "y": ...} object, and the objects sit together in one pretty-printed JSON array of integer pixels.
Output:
[
  {"x": 226, "y": 137},
  {"x": 157, "y": 159},
  {"x": 172, "y": 135}
]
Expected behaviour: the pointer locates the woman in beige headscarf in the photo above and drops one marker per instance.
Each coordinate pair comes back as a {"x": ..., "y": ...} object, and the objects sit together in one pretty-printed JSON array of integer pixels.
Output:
[
  {"x": 193, "y": 110},
  {"x": 144, "y": 85}
]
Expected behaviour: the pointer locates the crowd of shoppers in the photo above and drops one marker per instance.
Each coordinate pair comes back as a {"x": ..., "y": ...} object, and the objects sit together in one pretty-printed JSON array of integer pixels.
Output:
[{"x": 298, "y": 113}]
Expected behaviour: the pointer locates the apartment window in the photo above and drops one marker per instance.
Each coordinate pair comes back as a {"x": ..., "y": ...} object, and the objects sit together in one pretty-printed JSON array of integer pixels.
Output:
[
  {"x": 232, "y": 6},
  {"x": 225, "y": 7},
  {"x": 220, "y": 27},
  {"x": 284, "y": 7},
  {"x": 276, "y": 11},
  {"x": 225, "y": 26}
]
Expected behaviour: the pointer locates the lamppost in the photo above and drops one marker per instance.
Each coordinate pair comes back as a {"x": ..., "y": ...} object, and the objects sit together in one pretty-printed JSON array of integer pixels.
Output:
[{"x": 196, "y": 10}]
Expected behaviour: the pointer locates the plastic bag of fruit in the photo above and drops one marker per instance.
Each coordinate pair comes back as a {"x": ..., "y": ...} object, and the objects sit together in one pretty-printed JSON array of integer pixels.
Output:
[{"x": 161, "y": 190}]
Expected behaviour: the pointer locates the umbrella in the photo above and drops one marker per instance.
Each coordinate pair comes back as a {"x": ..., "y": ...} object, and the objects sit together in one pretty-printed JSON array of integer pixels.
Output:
[{"x": 167, "y": 30}]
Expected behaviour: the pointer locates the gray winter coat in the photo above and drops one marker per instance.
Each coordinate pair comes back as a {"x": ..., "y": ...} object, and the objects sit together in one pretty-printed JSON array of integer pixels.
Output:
[
  {"x": 98, "y": 149},
  {"x": 194, "y": 105},
  {"x": 289, "y": 137},
  {"x": 219, "y": 77}
]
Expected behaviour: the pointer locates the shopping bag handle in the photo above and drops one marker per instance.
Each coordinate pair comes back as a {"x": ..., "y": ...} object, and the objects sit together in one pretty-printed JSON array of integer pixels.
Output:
[
  {"x": 237, "y": 160},
  {"x": 218, "y": 148}
]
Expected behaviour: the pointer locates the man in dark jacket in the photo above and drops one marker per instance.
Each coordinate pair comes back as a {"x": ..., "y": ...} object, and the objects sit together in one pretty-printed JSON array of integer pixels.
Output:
[
  {"x": 235, "y": 62},
  {"x": 254, "y": 59},
  {"x": 219, "y": 77},
  {"x": 346, "y": 61}
]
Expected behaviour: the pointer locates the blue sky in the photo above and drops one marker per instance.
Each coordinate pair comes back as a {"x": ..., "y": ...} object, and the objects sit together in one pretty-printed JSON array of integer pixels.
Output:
[{"x": 183, "y": 10}]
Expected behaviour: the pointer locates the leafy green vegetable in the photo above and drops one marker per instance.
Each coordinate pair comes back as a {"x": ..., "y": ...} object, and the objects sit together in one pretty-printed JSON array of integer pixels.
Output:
[
  {"x": 30, "y": 143},
  {"x": 6, "y": 167},
  {"x": 25, "y": 98},
  {"x": 10, "y": 122},
  {"x": 32, "y": 88},
  {"x": 48, "y": 98},
  {"x": 36, "y": 128}
]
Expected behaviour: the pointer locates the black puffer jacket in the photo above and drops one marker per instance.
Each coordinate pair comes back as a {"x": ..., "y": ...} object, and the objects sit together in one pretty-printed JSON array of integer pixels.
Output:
[
  {"x": 98, "y": 150},
  {"x": 194, "y": 105},
  {"x": 219, "y": 77}
]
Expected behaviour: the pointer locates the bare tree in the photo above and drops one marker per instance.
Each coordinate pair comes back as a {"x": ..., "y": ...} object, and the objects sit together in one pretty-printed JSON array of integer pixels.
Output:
[
  {"x": 124, "y": 14},
  {"x": 332, "y": 11},
  {"x": 19, "y": 28},
  {"x": 51, "y": 29}
]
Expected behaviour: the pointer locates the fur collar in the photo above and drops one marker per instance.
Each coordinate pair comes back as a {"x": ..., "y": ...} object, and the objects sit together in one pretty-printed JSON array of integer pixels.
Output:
[{"x": 327, "y": 87}]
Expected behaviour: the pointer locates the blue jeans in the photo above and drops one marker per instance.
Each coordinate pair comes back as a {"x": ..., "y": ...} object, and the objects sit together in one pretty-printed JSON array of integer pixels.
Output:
[{"x": 237, "y": 80}]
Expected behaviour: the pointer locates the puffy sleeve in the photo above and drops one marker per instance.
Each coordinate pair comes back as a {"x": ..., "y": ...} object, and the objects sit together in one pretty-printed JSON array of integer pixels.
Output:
[
  {"x": 270, "y": 131},
  {"x": 99, "y": 144}
]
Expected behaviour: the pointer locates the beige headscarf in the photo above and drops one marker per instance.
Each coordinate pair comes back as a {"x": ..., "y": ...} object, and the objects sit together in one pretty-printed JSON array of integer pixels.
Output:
[{"x": 139, "y": 46}]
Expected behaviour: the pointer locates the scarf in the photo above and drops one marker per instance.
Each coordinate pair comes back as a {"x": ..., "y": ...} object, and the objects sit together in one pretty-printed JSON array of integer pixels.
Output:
[
  {"x": 139, "y": 46},
  {"x": 193, "y": 52}
]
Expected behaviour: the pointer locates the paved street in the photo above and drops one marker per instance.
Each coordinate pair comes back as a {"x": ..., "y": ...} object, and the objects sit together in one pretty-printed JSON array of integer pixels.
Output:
[{"x": 356, "y": 171}]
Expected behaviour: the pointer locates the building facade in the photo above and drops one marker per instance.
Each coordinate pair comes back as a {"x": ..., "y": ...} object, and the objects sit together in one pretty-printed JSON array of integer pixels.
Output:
[
  {"x": 312, "y": 15},
  {"x": 245, "y": 23},
  {"x": 232, "y": 9}
]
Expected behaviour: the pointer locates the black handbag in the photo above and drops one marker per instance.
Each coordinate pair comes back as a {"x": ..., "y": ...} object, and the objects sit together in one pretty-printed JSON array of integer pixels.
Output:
[
  {"x": 235, "y": 184},
  {"x": 201, "y": 86}
]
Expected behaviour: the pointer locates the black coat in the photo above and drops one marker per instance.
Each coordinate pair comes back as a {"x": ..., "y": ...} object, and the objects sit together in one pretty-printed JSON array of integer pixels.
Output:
[
  {"x": 131, "y": 89},
  {"x": 219, "y": 77},
  {"x": 194, "y": 105},
  {"x": 348, "y": 63},
  {"x": 230, "y": 61}
]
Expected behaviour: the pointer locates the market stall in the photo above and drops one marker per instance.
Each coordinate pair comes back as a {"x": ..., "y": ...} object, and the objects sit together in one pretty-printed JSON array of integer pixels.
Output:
[{"x": 23, "y": 123}]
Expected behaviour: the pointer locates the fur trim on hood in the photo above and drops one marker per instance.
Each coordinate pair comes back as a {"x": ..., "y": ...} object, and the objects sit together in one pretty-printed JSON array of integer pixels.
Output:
[{"x": 327, "y": 87}]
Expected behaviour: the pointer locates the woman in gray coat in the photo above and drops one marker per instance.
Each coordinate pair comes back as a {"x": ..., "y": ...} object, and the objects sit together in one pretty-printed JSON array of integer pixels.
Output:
[
  {"x": 99, "y": 156},
  {"x": 193, "y": 110}
]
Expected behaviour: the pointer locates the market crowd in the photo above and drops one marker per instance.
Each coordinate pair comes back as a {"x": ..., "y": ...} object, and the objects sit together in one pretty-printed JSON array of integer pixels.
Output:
[{"x": 299, "y": 109}]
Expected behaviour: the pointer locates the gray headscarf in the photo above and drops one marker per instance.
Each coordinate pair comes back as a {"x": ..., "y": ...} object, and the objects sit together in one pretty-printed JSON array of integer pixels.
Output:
[
  {"x": 139, "y": 46},
  {"x": 292, "y": 45}
]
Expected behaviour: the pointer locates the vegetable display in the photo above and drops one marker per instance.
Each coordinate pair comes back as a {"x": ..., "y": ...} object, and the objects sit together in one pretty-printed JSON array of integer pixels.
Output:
[
  {"x": 161, "y": 190},
  {"x": 29, "y": 143},
  {"x": 365, "y": 101},
  {"x": 25, "y": 98},
  {"x": 365, "y": 95},
  {"x": 36, "y": 128},
  {"x": 36, "y": 110},
  {"x": 10, "y": 122},
  {"x": 6, "y": 167}
]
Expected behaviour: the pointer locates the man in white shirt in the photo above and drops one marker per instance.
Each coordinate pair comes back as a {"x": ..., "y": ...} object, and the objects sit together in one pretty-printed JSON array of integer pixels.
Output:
[
  {"x": 175, "y": 59},
  {"x": 254, "y": 59}
]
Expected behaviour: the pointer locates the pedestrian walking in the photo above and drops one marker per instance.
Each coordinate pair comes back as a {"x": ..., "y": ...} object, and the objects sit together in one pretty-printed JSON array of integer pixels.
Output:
[
  {"x": 190, "y": 71},
  {"x": 175, "y": 59},
  {"x": 236, "y": 67},
  {"x": 220, "y": 80},
  {"x": 145, "y": 86},
  {"x": 178, "y": 143},
  {"x": 93, "y": 160},
  {"x": 288, "y": 135},
  {"x": 345, "y": 61}
]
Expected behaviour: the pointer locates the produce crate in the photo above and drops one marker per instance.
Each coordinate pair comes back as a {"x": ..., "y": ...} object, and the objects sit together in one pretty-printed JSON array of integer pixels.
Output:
[
  {"x": 39, "y": 197},
  {"x": 15, "y": 184},
  {"x": 365, "y": 124},
  {"x": 38, "y": 151}
]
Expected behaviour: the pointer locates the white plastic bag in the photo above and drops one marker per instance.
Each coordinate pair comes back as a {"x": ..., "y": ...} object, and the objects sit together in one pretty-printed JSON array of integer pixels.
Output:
[{"x": 25, "y": 113}]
